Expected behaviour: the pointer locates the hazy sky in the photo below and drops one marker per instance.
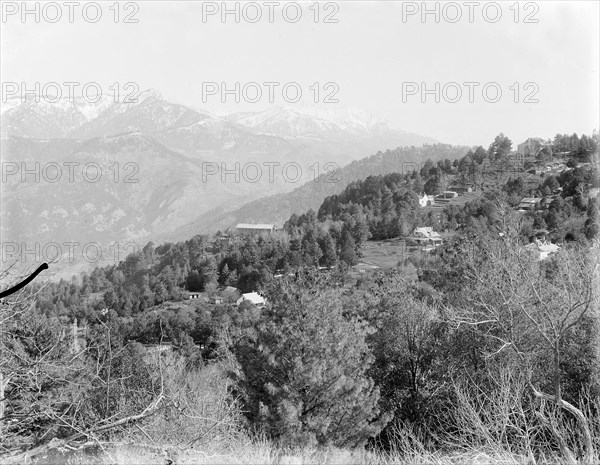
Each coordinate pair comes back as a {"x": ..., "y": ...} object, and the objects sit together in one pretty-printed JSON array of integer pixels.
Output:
[{"x": 369, "y": 53}]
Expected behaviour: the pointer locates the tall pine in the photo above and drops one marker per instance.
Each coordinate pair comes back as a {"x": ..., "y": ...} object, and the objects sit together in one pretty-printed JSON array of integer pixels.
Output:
[{"x": 302, "y": 370}]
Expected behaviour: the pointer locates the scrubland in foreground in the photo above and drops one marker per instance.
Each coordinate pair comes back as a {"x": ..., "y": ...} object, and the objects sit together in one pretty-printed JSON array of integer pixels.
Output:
[{"x": 204, "y": 425}]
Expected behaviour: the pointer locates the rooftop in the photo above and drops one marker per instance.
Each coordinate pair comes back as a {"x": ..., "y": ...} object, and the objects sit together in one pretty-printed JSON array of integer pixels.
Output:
[
  {"x": 427, "y": 232},
  {"x": 544, "y": 246},
  {"x": 254, "y": 297},
  {"x": 254, "y": 226}
]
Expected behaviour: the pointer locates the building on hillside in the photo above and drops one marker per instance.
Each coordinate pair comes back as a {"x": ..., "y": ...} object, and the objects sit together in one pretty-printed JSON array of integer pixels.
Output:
[
  {"x": 528, "y": 203},
  {"x": 532, "y": 146},
  {"x": 426, "y": 236},
  {"x": 461, "y": 188},
  {"x": 252, "y": 297},
  {"x": 194, "y": 295},
  {"x": 542, "y": 249},
  {"x": 447, "y": 195},
  {"x": 426, "y": 200},
  {"x": 255, "y": 229}
]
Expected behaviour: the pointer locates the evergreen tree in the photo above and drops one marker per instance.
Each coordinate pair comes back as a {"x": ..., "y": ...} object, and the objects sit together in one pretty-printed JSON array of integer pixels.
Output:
[
  {"x": 194, "y": 281},
  {"x": 348, "y": 248},
  {"x": 302, "y": 370},
  {"x": 500, "y": 148},
  {"x": 311, "y": 252},
  {"x": 329, "y": 257}
]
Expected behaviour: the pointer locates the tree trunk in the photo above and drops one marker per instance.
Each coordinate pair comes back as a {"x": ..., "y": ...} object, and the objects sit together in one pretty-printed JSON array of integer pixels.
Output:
[{"x": 588, "y": 456}]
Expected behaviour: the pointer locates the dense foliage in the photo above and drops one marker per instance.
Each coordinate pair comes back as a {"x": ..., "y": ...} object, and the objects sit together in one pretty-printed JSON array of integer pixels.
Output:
[{"x": 336, "y": 356}]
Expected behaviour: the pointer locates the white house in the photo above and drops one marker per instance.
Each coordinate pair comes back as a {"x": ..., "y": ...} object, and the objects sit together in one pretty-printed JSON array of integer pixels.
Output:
[
  {"x": 426, "y": 200},
  {"x": 255, "y": 229},
  {"x": 252, "y": 297},
  {"x": 427, "y": 235}
]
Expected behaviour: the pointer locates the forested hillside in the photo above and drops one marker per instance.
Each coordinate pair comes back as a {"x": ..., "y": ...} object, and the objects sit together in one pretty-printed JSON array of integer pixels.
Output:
[
  {"x": 492, "y": 350},
  {"x": 278, "y": 208}
]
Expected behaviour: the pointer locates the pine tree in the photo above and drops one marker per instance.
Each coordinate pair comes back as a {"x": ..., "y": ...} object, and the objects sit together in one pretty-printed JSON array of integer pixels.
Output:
[
  {"x": 311, "y": 253},
  {"x": 194, "y": 281},
  {"x": 348, "y": 249},
  {"x": 302, "y": 370},
  {"x": 329, "y": 257},
  {"x": 501, "y": 147}
]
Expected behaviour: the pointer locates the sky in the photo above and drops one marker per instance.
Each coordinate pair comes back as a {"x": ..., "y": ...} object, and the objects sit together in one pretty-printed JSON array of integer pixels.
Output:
[{"x": 378, "y": 56}]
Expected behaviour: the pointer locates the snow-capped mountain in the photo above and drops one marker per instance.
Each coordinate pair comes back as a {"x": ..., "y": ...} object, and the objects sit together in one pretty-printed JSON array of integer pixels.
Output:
[
  {"x": 168, "y": 144},
  {"x": 313, "y": 122},
  {"x": 151, "y": 113},
  {"x": 43, "y": 117}
]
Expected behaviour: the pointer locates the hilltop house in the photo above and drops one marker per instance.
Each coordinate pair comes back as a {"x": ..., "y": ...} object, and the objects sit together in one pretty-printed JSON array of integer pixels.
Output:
[
  {"x": 252, "y": 297},
  {"x": 447, "y": 195},
  {"x": 255, "y": 229},
  {"x": 528, "y": 203},
  {"x": 461, "y": 188},
  {"x": 426, "y": 235},
  {"x": 426, "y": 200},
  {"x": 194, "y": 295},
  {"x": 542, "y": 249}
]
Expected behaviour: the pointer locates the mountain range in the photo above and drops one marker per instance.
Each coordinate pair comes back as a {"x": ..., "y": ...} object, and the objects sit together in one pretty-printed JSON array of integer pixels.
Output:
[{"x": 182, "y": 161}]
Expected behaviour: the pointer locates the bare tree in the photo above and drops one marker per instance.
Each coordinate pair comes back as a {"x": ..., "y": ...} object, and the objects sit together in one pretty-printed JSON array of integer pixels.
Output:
[
  {"x": 529, "y": 307},
  {"x": 51, "y": 397}
]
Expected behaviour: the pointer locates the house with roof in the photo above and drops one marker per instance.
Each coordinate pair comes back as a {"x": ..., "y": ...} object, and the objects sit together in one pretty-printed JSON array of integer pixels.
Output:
[
  {"x": 426, "y": 235},
  {"x": 255, "y": 229},
  {"x": 446, "y": 195},
  {"x": 252, "y": 297},
  {"x": 426, "y": 200},
  {"x": 461, "y": 188},
  {"x": 529, "y": 203},
  {"x": 541, "y": 249},
  {"x": 194, "y": 295}
]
